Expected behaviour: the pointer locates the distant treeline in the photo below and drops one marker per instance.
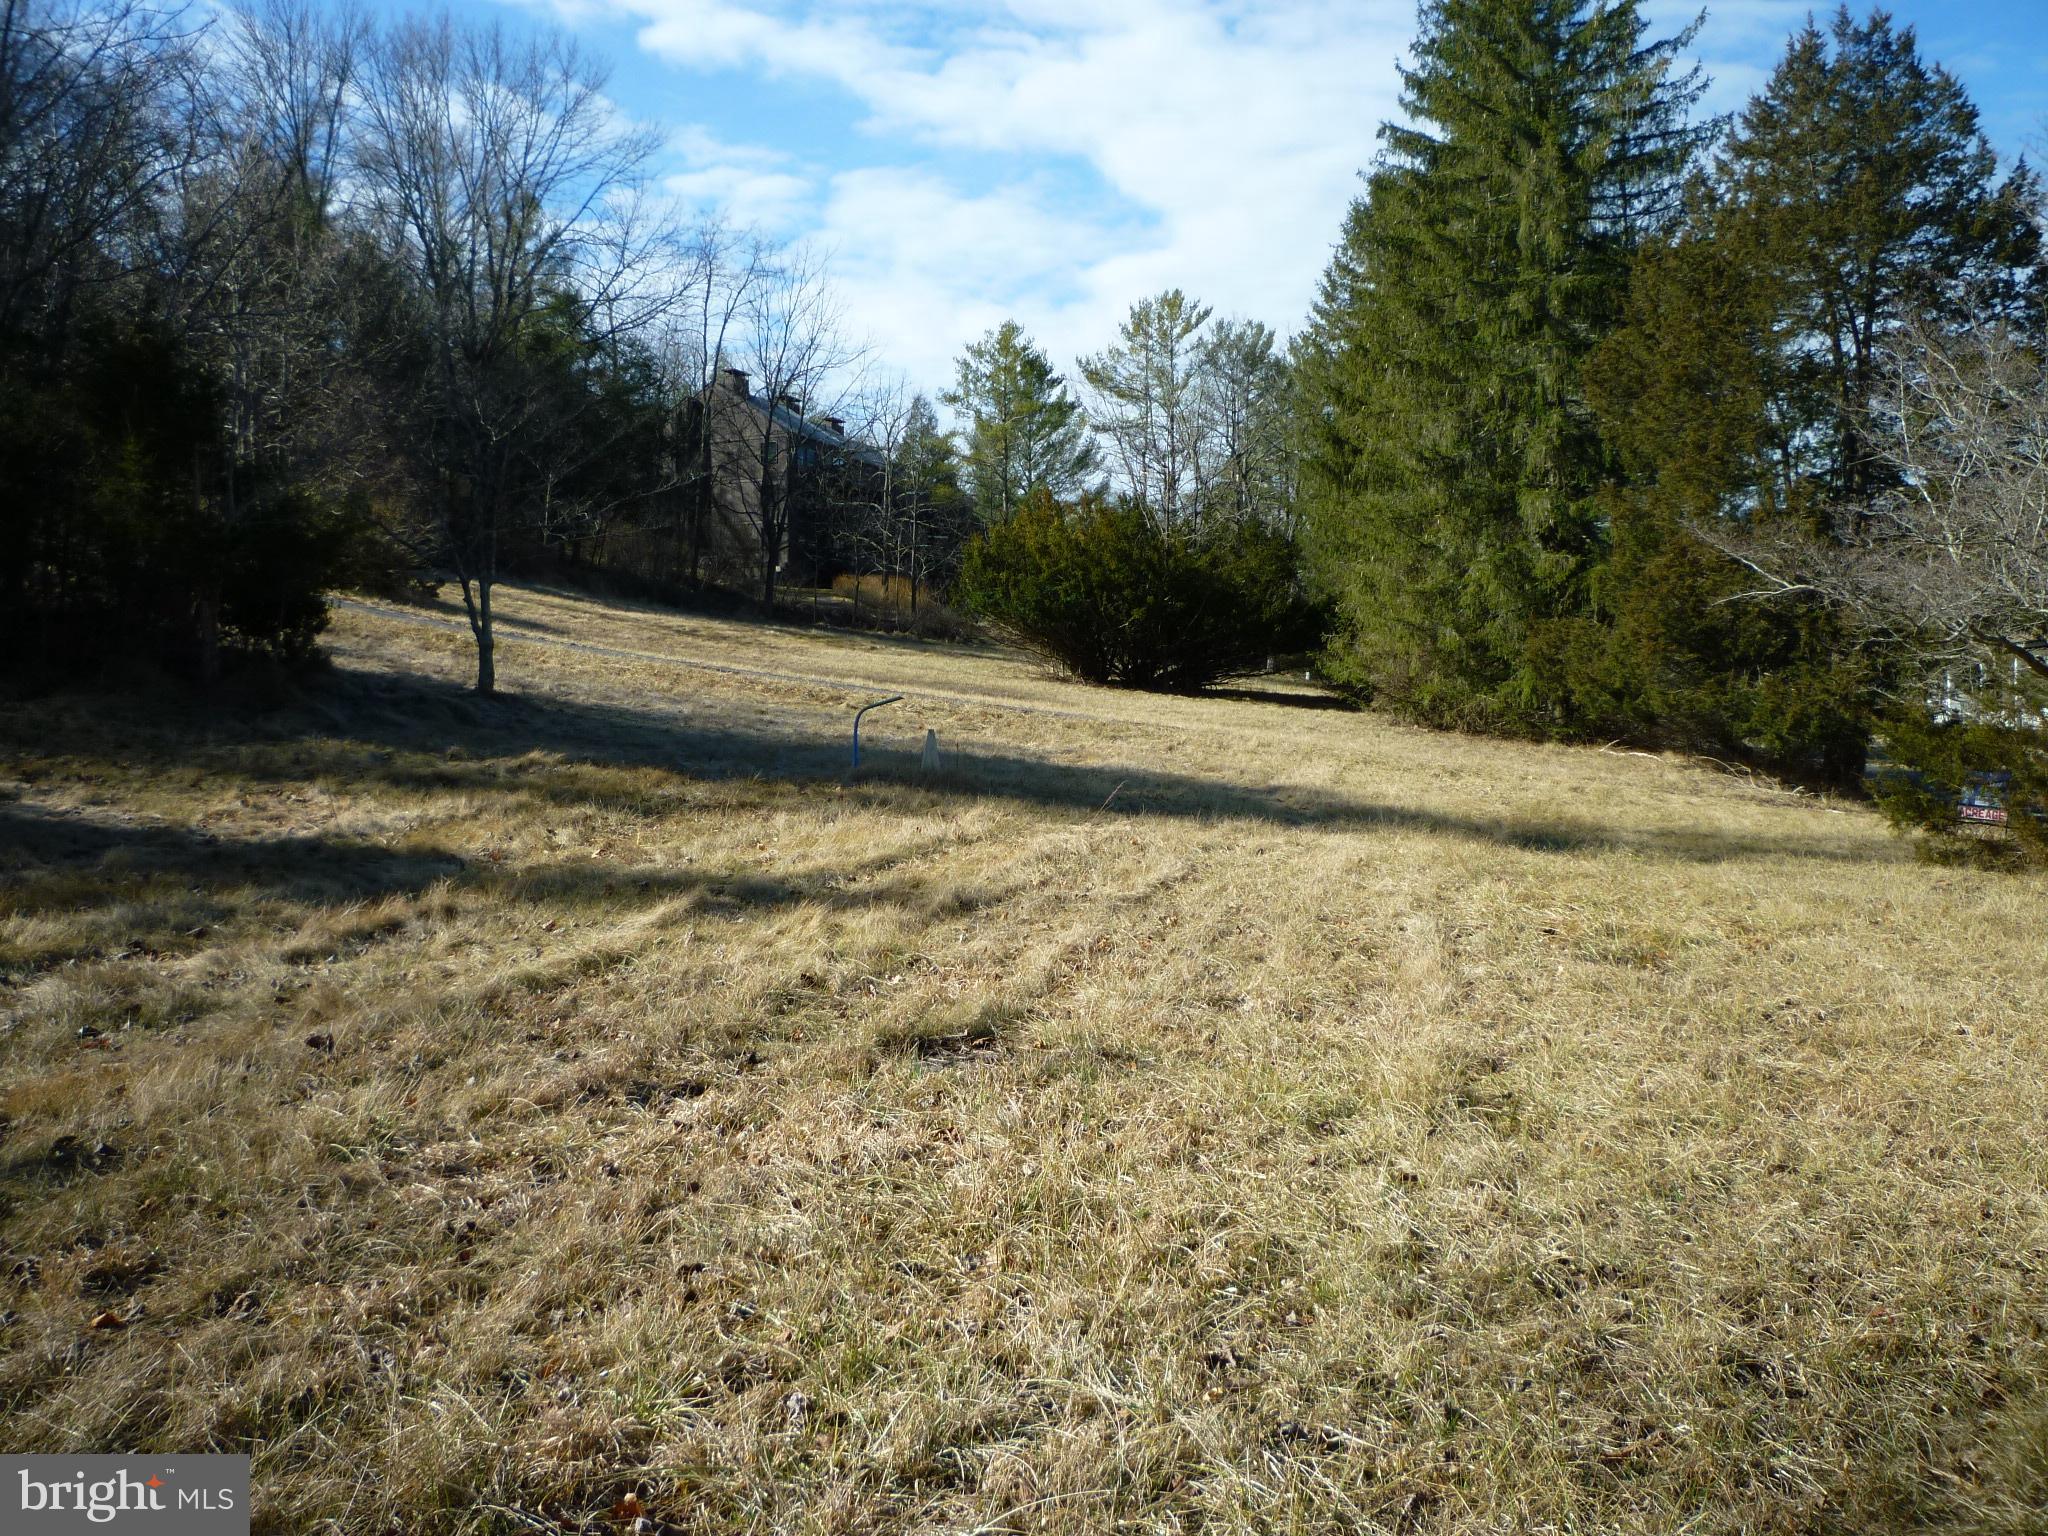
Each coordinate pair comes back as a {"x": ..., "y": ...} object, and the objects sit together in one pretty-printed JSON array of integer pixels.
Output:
[
  {"x": 1611, "y": 420},
  {"x": 291, "y": 300}
]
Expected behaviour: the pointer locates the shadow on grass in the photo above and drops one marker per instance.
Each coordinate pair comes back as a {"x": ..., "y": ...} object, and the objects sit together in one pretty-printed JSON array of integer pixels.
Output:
[
  {"x": 39, "y": 848},
  {"x": 1287, "y": 698},
  {"x": 349, "y": 732},
  {"x": 160, "y": 886}
]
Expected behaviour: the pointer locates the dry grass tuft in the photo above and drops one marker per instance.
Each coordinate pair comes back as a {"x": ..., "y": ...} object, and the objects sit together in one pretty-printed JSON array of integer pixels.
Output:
[{"x": 1182, "y": 1115}]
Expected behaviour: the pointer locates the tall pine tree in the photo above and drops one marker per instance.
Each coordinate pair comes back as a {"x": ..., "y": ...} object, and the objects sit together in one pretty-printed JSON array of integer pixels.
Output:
[
  {"x": 1023, "y": 431},
  {"x": 1450, "y": 485},
  {"x": 1859, "y": 184},
  {"x": 1146, "y": 388},
  {"x": 1856, "y": 193}
]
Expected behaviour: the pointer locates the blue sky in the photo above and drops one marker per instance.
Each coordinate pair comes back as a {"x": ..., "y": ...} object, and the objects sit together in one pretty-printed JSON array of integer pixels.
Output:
[{"x": 962, "y": 161}]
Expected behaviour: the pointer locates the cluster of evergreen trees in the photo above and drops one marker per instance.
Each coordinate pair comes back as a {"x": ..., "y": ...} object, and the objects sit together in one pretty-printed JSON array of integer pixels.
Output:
[
  {"x": 1188, "y": 417},
  {"x": 1581, "y": 358},
  {"x": 1143, "y": 535},
  {"x": 1609, "y": 419}
]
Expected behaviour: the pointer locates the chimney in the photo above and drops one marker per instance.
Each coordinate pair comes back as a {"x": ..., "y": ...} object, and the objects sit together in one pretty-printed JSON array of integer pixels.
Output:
[
  {"x": 837, "y": 424},
  {"x": 736, "y": 381},
  {"x": 788, "y": 403}
]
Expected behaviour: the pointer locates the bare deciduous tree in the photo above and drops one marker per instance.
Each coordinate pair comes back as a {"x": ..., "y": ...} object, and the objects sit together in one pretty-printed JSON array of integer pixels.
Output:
[
  {"x": 906, "y": 517},
  {"x": 254, "y": 286},
  {"x": 720, "y": 272},
  {"x": 500, "y": 179},
  {"x": 94, "y": 127},
  {"x": 1147, "y": 402},
  {"x": 1952, "y": 564}
]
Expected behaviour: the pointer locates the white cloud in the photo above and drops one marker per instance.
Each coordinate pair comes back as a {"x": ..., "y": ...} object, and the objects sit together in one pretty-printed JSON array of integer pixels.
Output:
[
  {"x": 772, "y": 201},
  {"x": 1231, "y": 136},
  {"x": 842, "y": 44},
  {"x": 751, "y": 186},
  {"x": 924, "y": 266},
  {"x": 1228, "y": 133}
]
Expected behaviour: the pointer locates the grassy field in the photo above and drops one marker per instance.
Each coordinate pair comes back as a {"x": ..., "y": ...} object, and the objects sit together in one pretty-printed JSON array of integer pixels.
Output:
[{"x": 1177, "y": 1115}]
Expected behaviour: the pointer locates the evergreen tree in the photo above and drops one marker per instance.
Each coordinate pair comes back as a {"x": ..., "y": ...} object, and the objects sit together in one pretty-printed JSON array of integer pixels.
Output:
[
  {"x": 933, "y": 509},
  {"x": 1859, "y": 184},
  {"x": 1856, "y": 193},
  {"x": 1453, "y": 465},
  {"x": 1690, "y": 391},
  {"x": 182, "y": 451},
  {"x": 1114, "y": 594},
  {"x": 1248, "y": 403},
  {"x": 1149, "y": 404},
  {"x": 1024, "y": 431}
]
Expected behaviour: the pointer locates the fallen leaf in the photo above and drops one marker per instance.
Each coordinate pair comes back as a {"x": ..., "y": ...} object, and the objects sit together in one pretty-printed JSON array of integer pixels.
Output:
[{"x": 108, "y": 1320}]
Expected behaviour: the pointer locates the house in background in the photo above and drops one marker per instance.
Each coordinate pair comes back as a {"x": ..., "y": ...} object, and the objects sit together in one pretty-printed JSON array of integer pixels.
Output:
[
  {"x": 772, "y": 491},
  {"x": 2004, "y": 691}
]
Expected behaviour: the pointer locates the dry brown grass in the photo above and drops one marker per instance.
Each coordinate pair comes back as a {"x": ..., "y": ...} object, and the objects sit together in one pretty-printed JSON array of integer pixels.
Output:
[{"x": 1181, "y": 1115}]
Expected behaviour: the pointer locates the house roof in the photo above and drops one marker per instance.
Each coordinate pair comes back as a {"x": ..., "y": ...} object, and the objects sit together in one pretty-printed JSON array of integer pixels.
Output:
[{"x": 799, "y": 425}]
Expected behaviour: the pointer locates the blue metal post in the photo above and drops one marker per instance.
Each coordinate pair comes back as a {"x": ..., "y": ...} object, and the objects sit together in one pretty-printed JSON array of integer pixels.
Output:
[{"x": 896, "y": 698}]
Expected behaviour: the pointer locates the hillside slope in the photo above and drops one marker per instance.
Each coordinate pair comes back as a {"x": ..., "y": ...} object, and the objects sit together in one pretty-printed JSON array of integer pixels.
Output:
[{"x": 1212, "y": 1114}]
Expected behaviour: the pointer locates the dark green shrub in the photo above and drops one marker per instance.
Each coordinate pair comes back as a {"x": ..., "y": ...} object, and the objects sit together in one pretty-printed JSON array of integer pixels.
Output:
[
  {"x": 1676, "y": 657},
  {"x": 134, "y": 540},
  {"x": 1099, "y": 588}
]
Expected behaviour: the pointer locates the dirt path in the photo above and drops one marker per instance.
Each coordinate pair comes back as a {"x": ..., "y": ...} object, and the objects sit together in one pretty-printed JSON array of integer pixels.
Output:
[{"x": 512, "y": 629}]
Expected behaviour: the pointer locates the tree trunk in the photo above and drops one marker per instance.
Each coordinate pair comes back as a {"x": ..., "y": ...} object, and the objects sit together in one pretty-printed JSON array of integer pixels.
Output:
[
  {"x": 206, "y": 638},
  {"x": 476, "y": 603},
  {"x": 774, "y": 534},
  {"x": 702, "y": 501},
  {"x": 486, "y": 664}
]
